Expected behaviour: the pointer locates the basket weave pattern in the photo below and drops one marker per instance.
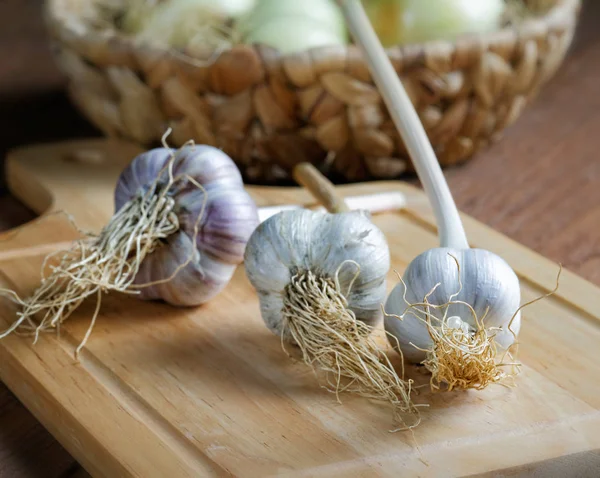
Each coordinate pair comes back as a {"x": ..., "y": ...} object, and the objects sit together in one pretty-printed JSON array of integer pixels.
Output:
[{"x": 270, "y": 111}]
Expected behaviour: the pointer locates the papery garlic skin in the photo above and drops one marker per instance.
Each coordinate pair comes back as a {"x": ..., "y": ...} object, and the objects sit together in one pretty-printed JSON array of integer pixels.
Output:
[
  {"x": 302, "y": 240},
  {"x": 230, "y": 216},
  {"x": 487, "y": 282}
]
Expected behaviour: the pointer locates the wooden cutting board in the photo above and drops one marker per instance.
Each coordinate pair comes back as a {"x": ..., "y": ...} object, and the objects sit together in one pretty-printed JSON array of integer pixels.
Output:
[{"x": 207, "y": 391}]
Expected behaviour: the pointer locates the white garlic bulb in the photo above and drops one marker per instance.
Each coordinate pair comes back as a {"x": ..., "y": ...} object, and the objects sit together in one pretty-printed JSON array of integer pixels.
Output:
[
  {"x": 487, "y": 283},
  {"x": 489, "y": 286},
  {"x": 329, "y": 245},
  {"x": 320, "y": 279}
]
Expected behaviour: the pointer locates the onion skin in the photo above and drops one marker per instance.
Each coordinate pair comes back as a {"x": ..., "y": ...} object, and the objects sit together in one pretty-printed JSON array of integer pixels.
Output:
[
  {"x": 304, "y": 34},
  {"x": 293, "y": 26},
  {"x": 230, "y": 216},
  {"x": 416, "y": 21},
  {"x": 175, "y": 23}
]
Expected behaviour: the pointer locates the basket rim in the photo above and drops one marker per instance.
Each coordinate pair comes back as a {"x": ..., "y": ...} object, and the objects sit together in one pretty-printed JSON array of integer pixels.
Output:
[{"x": 84, "y": 38}]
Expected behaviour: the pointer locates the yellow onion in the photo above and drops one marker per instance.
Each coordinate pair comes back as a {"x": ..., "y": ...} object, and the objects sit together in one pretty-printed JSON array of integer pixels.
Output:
[{"x": 414, "y": 21}]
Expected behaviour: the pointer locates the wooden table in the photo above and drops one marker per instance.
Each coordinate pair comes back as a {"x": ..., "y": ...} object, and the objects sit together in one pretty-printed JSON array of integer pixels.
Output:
[{"x": 540, "y": 185}]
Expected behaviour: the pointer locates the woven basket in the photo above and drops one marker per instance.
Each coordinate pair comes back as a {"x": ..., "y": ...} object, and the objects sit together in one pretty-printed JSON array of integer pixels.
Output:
[{"x": 269, "y": 111}]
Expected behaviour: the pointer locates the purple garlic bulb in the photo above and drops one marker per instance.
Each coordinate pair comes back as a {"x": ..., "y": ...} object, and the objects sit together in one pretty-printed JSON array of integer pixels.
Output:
[{"x": 224, "y": 212}]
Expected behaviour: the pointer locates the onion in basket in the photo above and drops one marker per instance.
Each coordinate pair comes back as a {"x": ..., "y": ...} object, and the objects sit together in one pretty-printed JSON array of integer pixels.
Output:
[
  {"x": 294, "y": 36},
  {"x": 176, "y": 23},
  {"x": 288, "y": 25},
  {"x": 414, "y": 21},
  {"x": 292, "y": 25}
]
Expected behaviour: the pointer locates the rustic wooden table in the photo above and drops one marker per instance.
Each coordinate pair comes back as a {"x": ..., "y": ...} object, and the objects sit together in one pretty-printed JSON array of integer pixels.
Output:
[{"x": 540, "y": 185}]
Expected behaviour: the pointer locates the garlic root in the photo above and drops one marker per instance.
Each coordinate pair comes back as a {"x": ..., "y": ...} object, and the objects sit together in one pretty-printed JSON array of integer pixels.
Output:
[
  {"x": 463, "y": 353},
  {"x": 315, "y": 315},
  {"x": 462, "y": 360},
  {"x": 103, "y": 263}
]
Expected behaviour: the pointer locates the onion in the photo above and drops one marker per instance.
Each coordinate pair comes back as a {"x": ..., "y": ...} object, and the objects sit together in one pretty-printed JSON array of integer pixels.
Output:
[
  {"x": 292, "y": 36},
  {"x": 293, "y": 25},
  {"x": 176, "y": 22},
  {"x": 288, "y": 25},
  {"x": 413, "y": 21},
  {"x": 136, "y": 15},
  {"x": 325, "y": 12}
]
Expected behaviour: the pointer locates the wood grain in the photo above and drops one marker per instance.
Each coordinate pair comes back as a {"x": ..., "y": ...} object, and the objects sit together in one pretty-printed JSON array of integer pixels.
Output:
[
  {"x": 550, "y": 152},
  {"x": 256, "y": 413}
]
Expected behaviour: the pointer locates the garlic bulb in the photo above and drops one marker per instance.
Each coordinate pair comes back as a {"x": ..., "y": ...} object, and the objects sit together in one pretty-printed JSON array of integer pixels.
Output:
[
  {"x": 181, "y": 224},
  {"x": 328, "y": 245},
  {"x": 489, "y": 286},
  {"x": 320, "y": 280},
  {"x": 229, "y": 219},
  {"x": 457, "y": 307}
]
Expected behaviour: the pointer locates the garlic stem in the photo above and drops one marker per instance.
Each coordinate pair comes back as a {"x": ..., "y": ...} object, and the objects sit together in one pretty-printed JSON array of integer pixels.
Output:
[
  {"x": 324, "y": 191},
  {"x": 406, "y": 119}
]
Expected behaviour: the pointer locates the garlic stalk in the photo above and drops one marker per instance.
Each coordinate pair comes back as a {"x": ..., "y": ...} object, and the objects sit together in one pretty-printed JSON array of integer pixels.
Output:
[
  {"x": 180, "y": 228},
  {"x": 320, "y": 279},
  {"x": 452, "y": 296}
]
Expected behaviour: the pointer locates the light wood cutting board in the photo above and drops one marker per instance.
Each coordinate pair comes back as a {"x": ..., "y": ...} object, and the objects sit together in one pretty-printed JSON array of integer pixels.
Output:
[{"x": 207, "y": 391}]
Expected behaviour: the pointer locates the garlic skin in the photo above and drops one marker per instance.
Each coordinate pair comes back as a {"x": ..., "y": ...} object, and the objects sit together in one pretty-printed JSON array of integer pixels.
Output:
[
  {"x": 487, "y": 282},
  {"x": 230, "y": 216},
  {"x": 296, "y": 241}
]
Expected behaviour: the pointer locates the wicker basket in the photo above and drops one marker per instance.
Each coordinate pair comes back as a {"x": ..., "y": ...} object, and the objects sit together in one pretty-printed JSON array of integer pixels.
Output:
[{"x": 270, "y": 111}]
